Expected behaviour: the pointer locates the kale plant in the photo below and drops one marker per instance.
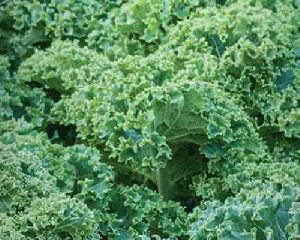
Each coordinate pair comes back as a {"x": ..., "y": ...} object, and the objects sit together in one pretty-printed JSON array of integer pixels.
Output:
[{"x": 150, "y": 119}]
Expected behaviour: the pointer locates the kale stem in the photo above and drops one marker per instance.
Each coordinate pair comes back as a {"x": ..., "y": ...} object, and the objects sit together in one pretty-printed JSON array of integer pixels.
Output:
[{"x": 163, "y": 183}]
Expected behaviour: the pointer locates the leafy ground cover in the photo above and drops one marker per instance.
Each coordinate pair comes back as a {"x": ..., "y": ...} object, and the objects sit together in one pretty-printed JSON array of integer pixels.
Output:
[{"x": 150, "y": 119}]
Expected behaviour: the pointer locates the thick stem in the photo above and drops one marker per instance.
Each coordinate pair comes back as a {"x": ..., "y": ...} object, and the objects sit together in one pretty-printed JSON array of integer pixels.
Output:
[{"x": 163, "y": 183}]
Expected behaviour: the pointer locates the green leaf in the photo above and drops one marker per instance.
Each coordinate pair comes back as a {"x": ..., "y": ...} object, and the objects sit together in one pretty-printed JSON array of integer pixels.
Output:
[{"x": 285, "y": 80}]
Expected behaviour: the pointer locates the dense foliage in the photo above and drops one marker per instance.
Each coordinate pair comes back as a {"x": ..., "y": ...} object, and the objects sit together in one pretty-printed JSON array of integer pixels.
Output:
[{"x": 150, "y": 119}]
